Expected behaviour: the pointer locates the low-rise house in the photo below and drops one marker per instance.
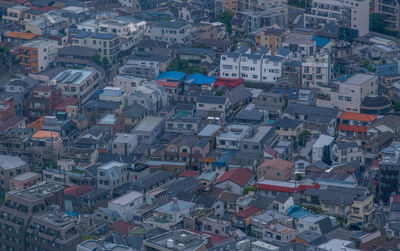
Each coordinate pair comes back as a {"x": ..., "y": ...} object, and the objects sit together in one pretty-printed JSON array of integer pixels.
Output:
[
  {"x": 216, "y": 226},
  {"x": 77, "y": 83},
  {"x": 355, "y": 204},
  {"x": 133, "y": 115},
  {"x": 212, "y": 108},
  {"x": 11, "y": 166},
  {"x": 106, "y": 44},
  {"x": 177, "y": 31},
  {"x": 124, "y": 143},
  {"x": 84, "y": 199},
  {"x": 288, "y": 129},
  {"x": 243, "y": 218},
  {"x": 231, "y": 137},
  {"x": 73, "y": 56},
  {"x": 260, "y": 222},
  {"x": 25, "y": 180},
  {"x": 112, "y": 175},
  {"x": 279, "y": 233},
  {"x": 283, "y": 202},
  {"x": 344, "y": 152},
  {"x": 235, "y": 180},
  {"x": 352, "y": 124},
  {"x": 152, "y": 181},
  {"x": 197, "y": 55},
  {"x": 276, "y": 169},
  {"x": 317, "y": 223},
  {"x": 324, "y": 119},
  {"x": 152, "y": 96},
  {"x": 126, "y": 204},
  {"x": 170, "y": 216},
  {"x": 128, "y": 83},
  {"x": 149, "y": 129},
  {"x": 321, "y": 149}
]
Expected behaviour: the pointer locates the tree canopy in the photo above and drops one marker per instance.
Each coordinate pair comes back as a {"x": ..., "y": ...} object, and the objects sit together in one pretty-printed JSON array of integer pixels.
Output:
[{"x": 226, "y": 18}]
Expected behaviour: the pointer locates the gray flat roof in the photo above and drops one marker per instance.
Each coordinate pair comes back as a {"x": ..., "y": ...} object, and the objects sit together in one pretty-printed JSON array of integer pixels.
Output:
[
  {"x": 10, "y": 162},
  {"x": 25, "y": 176},
  {"x": 359, "y": 79},
  {"x": 148, "y": 124}
]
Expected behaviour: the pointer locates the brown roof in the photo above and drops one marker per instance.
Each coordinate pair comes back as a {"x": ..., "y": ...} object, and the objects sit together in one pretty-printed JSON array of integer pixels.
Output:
[
  {"x": 280, "y": 164},
  {"x": 240, "y": 176}
]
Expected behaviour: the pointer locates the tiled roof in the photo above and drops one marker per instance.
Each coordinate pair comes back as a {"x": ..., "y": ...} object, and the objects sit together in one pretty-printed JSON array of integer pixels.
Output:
[
  {"x": 21, "y": 35},
  {"x": 189, "y": 173},
  {"x": 250, "y": 211},
  {"x": 352, "y": 128},
  {"x": 239, "y": 176},
  {"x": 358, "y": 116},
  {"x": 280, "y": 164},
  {"x": 46, "y": 134},
  {"x": 78, "y": 191}
]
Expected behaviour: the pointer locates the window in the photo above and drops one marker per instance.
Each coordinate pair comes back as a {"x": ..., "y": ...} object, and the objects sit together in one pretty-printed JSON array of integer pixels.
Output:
[
  {"x": 340, "y": 97},
  {"x": 348, "y": 99}
]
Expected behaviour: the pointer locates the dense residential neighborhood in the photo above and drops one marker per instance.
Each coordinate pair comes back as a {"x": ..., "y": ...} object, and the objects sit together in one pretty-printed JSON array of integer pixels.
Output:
[{"x": 194, "y": 125}]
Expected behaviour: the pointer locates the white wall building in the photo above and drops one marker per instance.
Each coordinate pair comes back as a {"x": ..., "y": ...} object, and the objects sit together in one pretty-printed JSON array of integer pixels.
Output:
[
  {"x": 321, "y": 150},
  {"x": 252, "y": 67},
  {"x": 171, "y": 31},
  {"x": 347, "y": 13},
  {"x": 316, "y": 71},
  {"x": 128, "y": 83},
  {"x": 126, "y": 204}
]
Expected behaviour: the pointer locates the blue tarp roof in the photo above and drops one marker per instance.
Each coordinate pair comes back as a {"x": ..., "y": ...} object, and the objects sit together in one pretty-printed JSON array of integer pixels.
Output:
[
  {"x": 320, "y": 41},
  {"x": 297, "y": 212},
  {"x": 172, "y": 75},
  {"x": 198, "y": 78}
]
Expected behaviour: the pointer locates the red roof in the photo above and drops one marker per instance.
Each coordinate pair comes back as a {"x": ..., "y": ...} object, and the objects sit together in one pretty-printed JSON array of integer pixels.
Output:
[
  {"x": 247, "y": 212},
  {"x": 43, "y": 88},
  {"x": 228, "y": 82},
  {"x": 189, "y": 173},
  {"x": 78, "y": 191},
  {"x": 285, "y": 189},
  {"x": 123, "y": 228},
  {"x": 352, "y": 128},
  {"x": 215, "y": 239},
  {"x": 358, "y": 116},
  {"x": 240, "y": 176}
]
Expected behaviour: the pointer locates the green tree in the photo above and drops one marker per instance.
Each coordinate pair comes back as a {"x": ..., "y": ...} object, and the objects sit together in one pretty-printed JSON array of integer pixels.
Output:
[
  {"x": 246, "y": 190},
  {"x": 184, "y": 66},
  {"x": 396, "y": 106},
  {"x": 96, "y": 58},
  {"x": 304, "y": 136},
  {"x": 377, "y": 23},
  {"x": 226, "y": 18},
  {"x": 105, "y": 61},
  {"x": 4, "y": 55}
]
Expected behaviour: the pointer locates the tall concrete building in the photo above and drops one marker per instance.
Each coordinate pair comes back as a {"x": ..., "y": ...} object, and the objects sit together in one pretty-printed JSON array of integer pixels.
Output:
[
  {"x": 390, "y": 10},
  {"x": 352, "y": 14}
]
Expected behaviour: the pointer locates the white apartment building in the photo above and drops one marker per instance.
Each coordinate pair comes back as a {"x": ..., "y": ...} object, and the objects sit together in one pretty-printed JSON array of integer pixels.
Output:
[
  {"x": 321, "y": 150},
  {"x": 37, "y": 55},
  {"x": 77, "y": 83},
  {"x": 347, "y": 94},
  {"x": 301, "y": 44},
  {"x": 126, "y": 204},
  {"x": 353, "y": 14},
  {"x": 316, "y": 71},
  {"x": 177, "y": 31},
  {"x": 128, "y": 83},
  {"x": 252, "y": 67},
  {"x": 271, "y": 68},
  {"x": 107, "y": 44}
]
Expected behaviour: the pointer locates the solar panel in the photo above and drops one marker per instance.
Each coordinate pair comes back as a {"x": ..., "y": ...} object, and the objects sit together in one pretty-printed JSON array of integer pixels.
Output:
[
  {"x": 63, "y": 76},
  {"x": 74, "y": 77}
]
